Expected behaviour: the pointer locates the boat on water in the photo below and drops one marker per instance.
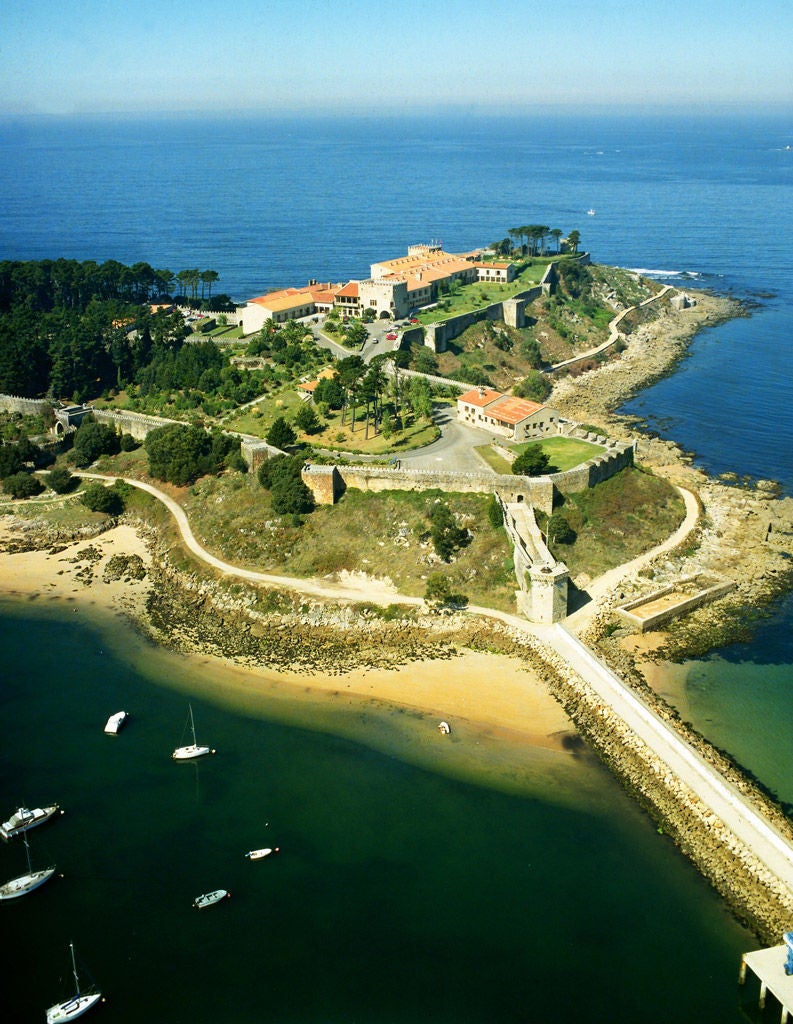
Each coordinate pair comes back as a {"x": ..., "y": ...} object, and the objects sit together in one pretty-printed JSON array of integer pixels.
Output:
[
  {"x": 590, "y": 212},
  {"x": 444, "y": 728},
  {"x": 208, "y": 899},
  {"x": 23, "y": 818},
  {"x": 116, "y": 722},
  {"x": 264, "y": 852},
  {"x": 76, "y": 1005},
  {"x": 26, "y": 883},
  {"x": 193, "y": 749}
]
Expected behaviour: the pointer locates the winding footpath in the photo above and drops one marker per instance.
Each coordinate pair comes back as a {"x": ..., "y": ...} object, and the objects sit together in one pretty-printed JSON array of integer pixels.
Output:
[{"x": 724, "y": 799}]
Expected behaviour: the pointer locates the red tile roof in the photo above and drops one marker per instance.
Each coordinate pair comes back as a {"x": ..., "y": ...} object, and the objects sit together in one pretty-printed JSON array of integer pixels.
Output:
[{"x": 480, "y": 397}]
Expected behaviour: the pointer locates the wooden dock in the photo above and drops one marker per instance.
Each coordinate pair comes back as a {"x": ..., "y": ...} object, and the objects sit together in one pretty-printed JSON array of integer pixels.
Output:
[{"x": 769, "y": 966}]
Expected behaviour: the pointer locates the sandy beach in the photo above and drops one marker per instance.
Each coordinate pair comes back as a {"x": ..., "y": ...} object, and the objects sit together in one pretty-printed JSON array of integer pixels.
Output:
[{"x": 482, "y": 692}]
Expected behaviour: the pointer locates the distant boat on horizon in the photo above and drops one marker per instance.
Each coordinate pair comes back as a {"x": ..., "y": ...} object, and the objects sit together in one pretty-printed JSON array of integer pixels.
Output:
[
  {"x": 193, "y": 749},
  {"x": 26, "y": 883},
  {"x": 590, "y": 212},
  {"x": 78, "y": 1004}
]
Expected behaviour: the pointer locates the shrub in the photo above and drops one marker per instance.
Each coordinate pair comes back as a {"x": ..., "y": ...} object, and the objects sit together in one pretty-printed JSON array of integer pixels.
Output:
[
  {"x": 494, "y": 512},
  {"x": 128, "y": 443},
  {"x": 559, "y": 530},
  {"x": 307, "y": 420},
  {"x": 535, "y": 386},
  {"x": 98, "y": 498},
  {"x": 22, "y": 485}
]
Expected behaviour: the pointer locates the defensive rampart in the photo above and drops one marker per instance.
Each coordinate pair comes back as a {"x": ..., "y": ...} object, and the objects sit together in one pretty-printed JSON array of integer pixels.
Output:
[
  {"x": 24, "y": 406},
  {"x": 135, "y": 423}
]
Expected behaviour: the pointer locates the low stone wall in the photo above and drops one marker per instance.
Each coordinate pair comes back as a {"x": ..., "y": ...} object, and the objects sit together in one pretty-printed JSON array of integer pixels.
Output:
[
  {"x": 686, "y": 604},
  {"x": 24, "y": 406},
  {"x": 438, "y": 335}
]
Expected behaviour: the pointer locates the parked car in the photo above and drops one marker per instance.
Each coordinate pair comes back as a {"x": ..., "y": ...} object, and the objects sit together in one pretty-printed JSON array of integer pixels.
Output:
[{"x": 391, "y": 336}]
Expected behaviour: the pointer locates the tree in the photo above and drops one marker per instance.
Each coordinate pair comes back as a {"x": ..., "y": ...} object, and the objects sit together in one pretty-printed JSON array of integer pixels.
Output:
[
  {"x": 447, "y": 536},
  {"x": 61, "y": 480},
  {"x": 10, "y": 460},
  {"x": 559, "y": 530},
  {"x": 307, "y": 420},
  {"x": 99, "y": 498},
  {"x": 180, "y": 454},
  {"x": 532, "y": 461},
  {"x": 573, "y": 240},
  {"x": 282, "y": 477},
  {"x": 92, "y": 440},
  {"x": 556, "y": 234},
  {"x": 22, "y": 485},
  {"x": 535, "y": 386},
  {"x": 349, "y": 372},
  {"x": 495, "y": 512},
  {"x": 281, "y": 434}
]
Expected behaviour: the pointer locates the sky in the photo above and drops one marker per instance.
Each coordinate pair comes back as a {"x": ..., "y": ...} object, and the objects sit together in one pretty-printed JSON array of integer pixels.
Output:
[{"x": 102, "y": 56}]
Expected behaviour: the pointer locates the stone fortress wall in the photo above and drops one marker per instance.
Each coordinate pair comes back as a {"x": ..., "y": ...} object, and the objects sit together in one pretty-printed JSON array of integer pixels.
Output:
[{"x": 25, "y": 406}]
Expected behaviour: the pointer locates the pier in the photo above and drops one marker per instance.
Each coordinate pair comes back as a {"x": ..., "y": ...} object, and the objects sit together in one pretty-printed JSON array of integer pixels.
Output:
[{"x": 770, "y": 966}]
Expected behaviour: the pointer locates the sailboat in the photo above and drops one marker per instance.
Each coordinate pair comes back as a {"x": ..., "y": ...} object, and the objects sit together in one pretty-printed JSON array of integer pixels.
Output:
[
  {"x": 77, "y": 1005},
  {"x": 192, "y": 749},
  {"x": 24, "y": 884}
]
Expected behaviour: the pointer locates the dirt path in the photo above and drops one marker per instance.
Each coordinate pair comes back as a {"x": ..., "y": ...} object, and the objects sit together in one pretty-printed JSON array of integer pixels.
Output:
[{"x": 600, "y": 588}]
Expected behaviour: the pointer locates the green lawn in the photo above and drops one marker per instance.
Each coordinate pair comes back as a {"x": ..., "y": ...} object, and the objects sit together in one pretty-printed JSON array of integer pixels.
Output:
[
  {"x": 564, "y": 453},
  {"x": 478, "y": 295}
]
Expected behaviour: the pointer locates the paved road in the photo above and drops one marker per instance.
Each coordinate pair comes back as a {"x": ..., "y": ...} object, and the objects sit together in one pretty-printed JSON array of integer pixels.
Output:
[{"x": 454, "y": 449}]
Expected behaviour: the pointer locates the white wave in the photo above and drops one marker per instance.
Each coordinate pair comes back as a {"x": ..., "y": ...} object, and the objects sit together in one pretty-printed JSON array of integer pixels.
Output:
[{"x": 656, "y": 273}]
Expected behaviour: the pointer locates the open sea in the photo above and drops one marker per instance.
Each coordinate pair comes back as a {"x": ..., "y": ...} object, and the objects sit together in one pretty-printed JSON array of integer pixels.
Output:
[{"x": 405, "y": 892}]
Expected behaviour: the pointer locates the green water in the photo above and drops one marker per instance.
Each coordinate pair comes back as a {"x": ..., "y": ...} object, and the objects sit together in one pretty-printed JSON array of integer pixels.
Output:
[{"x": 401, "y": 894}]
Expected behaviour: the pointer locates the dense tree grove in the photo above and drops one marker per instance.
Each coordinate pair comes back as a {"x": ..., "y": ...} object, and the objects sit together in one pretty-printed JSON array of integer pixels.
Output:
[{"x": 74, "y": 329}]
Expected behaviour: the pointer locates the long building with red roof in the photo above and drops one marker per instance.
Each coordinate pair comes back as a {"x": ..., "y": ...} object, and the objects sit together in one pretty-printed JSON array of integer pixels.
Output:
[{"x": 512, "y": 417}]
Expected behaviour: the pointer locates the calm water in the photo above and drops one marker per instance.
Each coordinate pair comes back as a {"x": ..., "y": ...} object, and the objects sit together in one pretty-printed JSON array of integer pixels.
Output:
[
  {"x": 399, "y": 894},
  {"x": 406, "y": 897}
]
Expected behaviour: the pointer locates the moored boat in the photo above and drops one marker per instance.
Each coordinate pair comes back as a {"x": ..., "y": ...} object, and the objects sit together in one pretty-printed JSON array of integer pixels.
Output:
[
  {"x": 76, "y": 1005},
  {"x": 258, "y": 854},
  {"x": 23, "y": 818},
  {"x": 26, "y": 883},
  {"x": 193, "y": 749},
  {"x": 116, "y": 722},
  {"x": 208, "y": 899}
]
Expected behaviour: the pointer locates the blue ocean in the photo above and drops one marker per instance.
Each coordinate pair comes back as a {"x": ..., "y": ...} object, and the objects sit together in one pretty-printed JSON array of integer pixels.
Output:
[{"x": 409, "y": 896}]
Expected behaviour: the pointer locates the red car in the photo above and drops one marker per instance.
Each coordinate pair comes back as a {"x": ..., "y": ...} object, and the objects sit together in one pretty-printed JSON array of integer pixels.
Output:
[
  {"x": 391, "y": 336},
  {"x": 413, "y": 320}
]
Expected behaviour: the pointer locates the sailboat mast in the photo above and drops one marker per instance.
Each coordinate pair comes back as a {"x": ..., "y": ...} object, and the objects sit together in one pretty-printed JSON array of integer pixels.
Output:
[
  {"x": 192, "y": 723},
  {"x": 27, "y": 851},
  {"x": 74, "y": 970}
]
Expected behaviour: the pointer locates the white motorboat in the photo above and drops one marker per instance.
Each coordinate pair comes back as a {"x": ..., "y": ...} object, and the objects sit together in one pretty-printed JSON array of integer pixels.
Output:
[
  {"x": 208, "y": 899},
  {"x": 590, "y": 213},
  {"x": 26, "y": 883},
  {"x": 76, "y": 1005},
  {"x": 258, "y": 854},
  {"x": 444, "y": 728},
  {"x": 116, "y": 722},
  {"x": 23, "y": 818},
  {"x": 192, "y": 749}
]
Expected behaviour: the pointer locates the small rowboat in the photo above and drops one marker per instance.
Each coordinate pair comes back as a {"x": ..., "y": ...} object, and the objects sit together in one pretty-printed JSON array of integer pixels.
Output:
[
  {"x": 258, "y": 854},
  {"x": 210, "y": 898}
]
